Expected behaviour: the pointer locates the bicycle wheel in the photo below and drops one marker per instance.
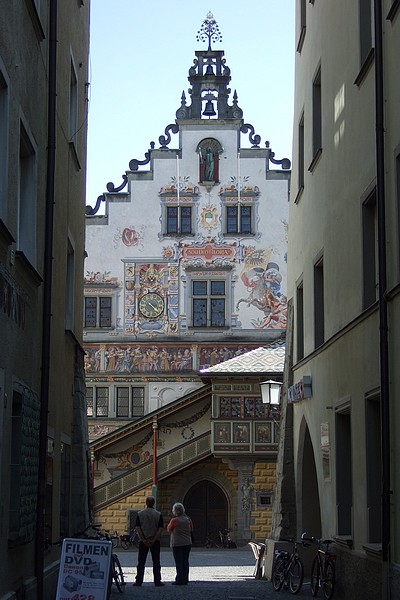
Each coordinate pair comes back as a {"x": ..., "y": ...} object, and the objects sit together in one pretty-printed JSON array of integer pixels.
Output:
[
  {"x": 296, "y": 576},
  {"x": 118, "y": 575},
  {"x": 278, "y": 573},
  {"x": 124, "y": 542},
  {"x": 328, "y": 583},
  {"x": 315, "y": 574}
]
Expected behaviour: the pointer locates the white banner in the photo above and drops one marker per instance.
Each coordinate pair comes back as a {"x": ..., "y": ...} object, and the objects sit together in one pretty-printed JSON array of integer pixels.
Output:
[{"x": 84, "y": 569}]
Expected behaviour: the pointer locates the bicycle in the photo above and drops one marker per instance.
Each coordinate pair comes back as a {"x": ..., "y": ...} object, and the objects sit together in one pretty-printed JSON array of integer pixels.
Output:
[
  {"x": 323, "y": 569},
  {"x": 225, "y": 539},
  {"x": 93, "y": 531},
  {"x": 131, "y": 539},
  {"x": 115, "y": 538},
  {"x": 117, "y": 573},
  {"x": 288, "y": 569}
]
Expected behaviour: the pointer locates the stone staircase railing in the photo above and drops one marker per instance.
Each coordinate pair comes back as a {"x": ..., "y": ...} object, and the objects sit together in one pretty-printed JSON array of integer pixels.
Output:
[{"x": 168, "y": 463}]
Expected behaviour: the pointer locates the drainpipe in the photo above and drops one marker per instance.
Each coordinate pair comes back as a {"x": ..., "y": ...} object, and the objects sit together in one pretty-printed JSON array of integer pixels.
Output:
[
  {"x": 383, "y": 311},
  {"x": 47, "y": 289},
  {"x": 155, "y": 431}
]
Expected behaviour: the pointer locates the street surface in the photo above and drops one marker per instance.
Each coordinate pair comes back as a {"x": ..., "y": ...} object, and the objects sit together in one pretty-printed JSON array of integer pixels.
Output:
[{"x": 215, "y": 574}]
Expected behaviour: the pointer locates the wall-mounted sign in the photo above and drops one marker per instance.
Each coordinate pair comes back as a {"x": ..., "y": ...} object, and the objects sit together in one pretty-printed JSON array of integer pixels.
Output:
[
  {"x": 300, "y": 390},
  {"x": 208, "y": 252},
  {"x": 325, "y": 434}
]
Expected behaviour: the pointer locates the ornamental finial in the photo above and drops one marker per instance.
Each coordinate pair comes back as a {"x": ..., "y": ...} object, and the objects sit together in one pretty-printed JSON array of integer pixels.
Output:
[{"x": 209, "y": 29}]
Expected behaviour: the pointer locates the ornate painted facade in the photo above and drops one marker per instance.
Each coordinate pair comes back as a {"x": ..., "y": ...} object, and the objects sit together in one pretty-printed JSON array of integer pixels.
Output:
[{"x": 186, "y": 270}]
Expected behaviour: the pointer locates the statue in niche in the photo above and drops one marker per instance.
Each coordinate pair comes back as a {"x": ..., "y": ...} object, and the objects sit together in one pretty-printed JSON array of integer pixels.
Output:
[
  {"x": 209, "y": 150},
  {"x": 207, "y": 164},
  {"x": 246, "y": 490}
]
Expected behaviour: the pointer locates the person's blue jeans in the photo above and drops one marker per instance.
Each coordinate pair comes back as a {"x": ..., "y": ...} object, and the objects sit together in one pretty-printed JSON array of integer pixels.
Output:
[
  {"x": 155, "y": 557},
  {"x": 181, "y": 557}
]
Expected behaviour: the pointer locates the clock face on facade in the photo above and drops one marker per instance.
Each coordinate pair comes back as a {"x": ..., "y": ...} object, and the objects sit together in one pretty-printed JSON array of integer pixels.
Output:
[{"x": 151, "y": 305}]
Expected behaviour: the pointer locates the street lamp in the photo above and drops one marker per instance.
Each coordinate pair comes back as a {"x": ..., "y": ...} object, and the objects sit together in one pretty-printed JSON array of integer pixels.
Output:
[{"x": 270, "y": 393}]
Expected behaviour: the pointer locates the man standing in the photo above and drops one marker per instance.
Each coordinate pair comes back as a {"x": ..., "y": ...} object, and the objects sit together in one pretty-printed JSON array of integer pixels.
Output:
[{"x": 149, "y": 525}]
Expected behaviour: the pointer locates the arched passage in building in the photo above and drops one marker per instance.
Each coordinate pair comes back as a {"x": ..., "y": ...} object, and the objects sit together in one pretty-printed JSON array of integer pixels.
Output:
[
  {"x": 207, "y": 506},
  {"x": 310, "y": 510}
]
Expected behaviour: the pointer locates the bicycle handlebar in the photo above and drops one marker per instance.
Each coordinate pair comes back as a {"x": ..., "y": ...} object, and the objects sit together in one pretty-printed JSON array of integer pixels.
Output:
[{"x": 312, "y": 539}]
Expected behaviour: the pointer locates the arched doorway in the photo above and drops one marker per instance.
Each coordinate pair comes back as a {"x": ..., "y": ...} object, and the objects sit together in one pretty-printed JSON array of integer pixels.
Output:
[{"x": 207, "y": 506}]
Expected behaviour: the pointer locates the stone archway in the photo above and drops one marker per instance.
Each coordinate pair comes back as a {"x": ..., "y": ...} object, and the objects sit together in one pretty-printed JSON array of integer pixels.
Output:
[
  {"x": 309, "y": 509},
  {"x": 207, "y": 506}
]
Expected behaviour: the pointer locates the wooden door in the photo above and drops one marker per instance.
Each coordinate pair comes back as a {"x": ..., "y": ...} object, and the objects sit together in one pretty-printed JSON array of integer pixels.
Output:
[{"x": 207, "y": 506}]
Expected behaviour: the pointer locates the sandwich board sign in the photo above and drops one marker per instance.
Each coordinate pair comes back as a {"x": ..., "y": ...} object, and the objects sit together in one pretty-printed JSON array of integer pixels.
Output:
[{"x": 84, "y": 569}]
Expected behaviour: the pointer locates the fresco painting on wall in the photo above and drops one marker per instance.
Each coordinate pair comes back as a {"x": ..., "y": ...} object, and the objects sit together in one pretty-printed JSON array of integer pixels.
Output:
[
  {"x": 263, "y": 433},
  {"x": 157, "y": 358},
  {"x": 222, "y": 433},
  {"x": 263, "y": 282}
]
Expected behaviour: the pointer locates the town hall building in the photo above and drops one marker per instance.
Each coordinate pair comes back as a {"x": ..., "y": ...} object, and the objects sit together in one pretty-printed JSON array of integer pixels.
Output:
[{"x": 185, "y": 314}]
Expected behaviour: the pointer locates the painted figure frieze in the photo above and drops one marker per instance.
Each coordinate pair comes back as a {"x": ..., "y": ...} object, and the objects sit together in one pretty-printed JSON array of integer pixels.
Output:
[{"x": 151, "y": 359}]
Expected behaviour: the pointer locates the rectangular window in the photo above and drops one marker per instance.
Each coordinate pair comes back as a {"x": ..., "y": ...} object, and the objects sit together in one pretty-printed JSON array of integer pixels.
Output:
[
  {"x": 179, "y": 220},
  {"x": 105, "y": 312},
  {"x": 102, "y": 402},
  {"x": 319, "y": 307},
  {"x": 208, "y": 303},
  {"x": 27, "y": 197},
  {"x": 344, "y": 481},
  {"x": 24, "y": 463},
  {"x": 89, "y": 401},
  {"x": 301, "y": 19},
  {"x": 239, "y": 408},
  {"x": 3, "y": 146},
  {"x": 370, "y": 250},
  {"x": 137, "y": 401},
  {"x": 300, "y": 154},
  {"x": 16, "y": 459},
  {"x": 122, "y": 402},
  {"x": 238, "y": 219},
  {"x": 366, "y": 18},
  {"x": 73, "y": 104},
  {"x": 98, "y": 311},
  {"x": 300, "y": 321},
  {"x": 70, "y": 288},
  {"x": 373, "y": 459},
  {"x": 129, "y": 402},
  {"x": 317, "y": 113}
]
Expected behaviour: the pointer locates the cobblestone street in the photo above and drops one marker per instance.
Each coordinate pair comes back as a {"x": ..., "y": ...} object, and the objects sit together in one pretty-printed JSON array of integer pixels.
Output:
[{"x": 215, "y": 574}]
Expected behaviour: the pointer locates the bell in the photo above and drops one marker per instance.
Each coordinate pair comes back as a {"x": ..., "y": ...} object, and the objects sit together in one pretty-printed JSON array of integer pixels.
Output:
[
  {"x": 209, "y": 70},
  {"x": 209, "y": 109}
]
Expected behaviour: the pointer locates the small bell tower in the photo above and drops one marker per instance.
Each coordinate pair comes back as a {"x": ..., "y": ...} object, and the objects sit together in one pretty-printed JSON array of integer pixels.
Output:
[{"x": 209, "y": 78}]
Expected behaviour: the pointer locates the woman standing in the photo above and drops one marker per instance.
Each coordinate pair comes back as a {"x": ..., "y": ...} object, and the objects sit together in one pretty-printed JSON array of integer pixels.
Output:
[{"x": 180, "y": 527}]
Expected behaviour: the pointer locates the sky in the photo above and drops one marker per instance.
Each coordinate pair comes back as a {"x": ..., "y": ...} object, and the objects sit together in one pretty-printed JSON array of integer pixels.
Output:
[{"x": 140, "y": 55}]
